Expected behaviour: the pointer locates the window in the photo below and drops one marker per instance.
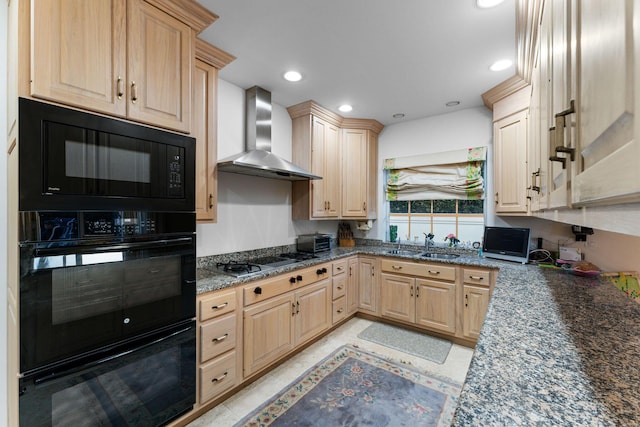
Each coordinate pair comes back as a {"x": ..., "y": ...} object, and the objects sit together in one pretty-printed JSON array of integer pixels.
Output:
[{"x": 463, "y": 218}]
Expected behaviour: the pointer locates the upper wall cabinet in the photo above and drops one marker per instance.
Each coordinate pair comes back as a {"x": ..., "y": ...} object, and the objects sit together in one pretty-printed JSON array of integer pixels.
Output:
[
  {"x": 209, "y": 59},
  {"x": 344, "y": 153},
  {"x": 606, "y": 169},
  {"x": 123, "y": 58},
  {"x": 510, "y": 139}
]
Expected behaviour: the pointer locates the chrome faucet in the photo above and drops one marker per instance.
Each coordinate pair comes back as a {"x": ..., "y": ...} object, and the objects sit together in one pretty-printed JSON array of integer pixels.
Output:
[{"x": 428, "y": 241}]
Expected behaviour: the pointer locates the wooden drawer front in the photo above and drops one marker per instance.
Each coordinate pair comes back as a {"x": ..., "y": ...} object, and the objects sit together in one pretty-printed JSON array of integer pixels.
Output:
[
  {"x": 339, "y": 286},
  {"x": 222, "y": 302},
  {"x": 434, "y": 271},
  {"x": 217, "y": 376},
  {"x": 476, "y": 277},
  {"x": 267, "y": 288},
  {"x": 217, "y": 337},
  {"x": 339, "y": 309},
  {"x": 339, "y": 267}
]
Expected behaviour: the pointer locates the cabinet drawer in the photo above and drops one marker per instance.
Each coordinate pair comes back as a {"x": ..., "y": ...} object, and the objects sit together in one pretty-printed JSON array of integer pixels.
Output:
[
  {"x": 339, "y": 309},
  {"x": 339, "y": 286},
  {"x": 434, "y": 271},
  {"x": 217, "y": 336},
  {"x": 217, "y": 376},
  {"x": 267, "y": 288},
  {"x": 476, "y": 277},
  {"x": 339, "y": 267},
  {"x": 219, "y": 303}
]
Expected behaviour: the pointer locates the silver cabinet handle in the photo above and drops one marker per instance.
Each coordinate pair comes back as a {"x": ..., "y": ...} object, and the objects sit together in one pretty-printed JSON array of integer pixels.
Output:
[
  {"x": 433, "y": 272},
  {"x": 134, "y": 92},
  {"x": 220, "y": 338},
  {"x": 476, "y": 277},
  {"x": 220, "y": 378},
  {"x": 218, "y": 307}
]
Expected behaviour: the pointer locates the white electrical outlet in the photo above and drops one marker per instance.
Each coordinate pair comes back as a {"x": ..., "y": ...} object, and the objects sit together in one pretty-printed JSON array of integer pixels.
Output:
[{"x": 570, "y": 254}]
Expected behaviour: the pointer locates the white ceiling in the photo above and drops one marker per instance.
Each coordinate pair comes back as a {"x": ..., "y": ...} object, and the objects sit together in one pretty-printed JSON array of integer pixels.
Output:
[{"x": 381, "y": 56}]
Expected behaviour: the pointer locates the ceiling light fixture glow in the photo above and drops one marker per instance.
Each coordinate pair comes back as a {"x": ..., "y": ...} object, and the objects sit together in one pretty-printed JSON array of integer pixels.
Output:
[
  {"x": 503, "y": 64},
  {"x": 345, "y": 108},
  {"x": 484, "y": 4},
  {"x": 292, "y": 76}
]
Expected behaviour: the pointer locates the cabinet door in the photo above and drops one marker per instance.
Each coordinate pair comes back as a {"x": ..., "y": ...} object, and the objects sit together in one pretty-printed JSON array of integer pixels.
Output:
[
  {"x": 607, "y": 161},
  {"x": 476, "y": 302},
  {"x": 397, "y": 297},
  {"x": 510, "y": 165},
  {"x": 436, "y": 305},
  {"x": 159, "y": 67},
  {"x": 313, "y": 311},
  {"x": 79, "y": 53},
  {"x": 325, "y": 161},
  {"x": 367, "y": 286},
  {"x": 204, "y": 129},
  {"x": 352, "y": 286},
  {"x": 354, "y": 173},
  {"x": 268, "y": 332}
]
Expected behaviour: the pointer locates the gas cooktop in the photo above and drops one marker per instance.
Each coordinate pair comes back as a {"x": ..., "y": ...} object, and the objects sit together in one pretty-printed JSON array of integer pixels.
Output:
[{"x": 258, "y": 265}]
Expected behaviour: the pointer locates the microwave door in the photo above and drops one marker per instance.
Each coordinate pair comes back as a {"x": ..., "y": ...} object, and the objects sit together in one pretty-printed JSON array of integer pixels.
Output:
[{"x": 69, "y": 160}]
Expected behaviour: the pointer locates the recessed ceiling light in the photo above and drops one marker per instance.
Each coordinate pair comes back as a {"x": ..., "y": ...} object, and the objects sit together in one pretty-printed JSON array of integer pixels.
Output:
[
  {"x": 293, "y": 76},
  {"x": 398, "y": 115},
  {"x": 452, "y": 103},
  {"x": 345, "y": 108},
  {"x": 488, "y": 3},
  {"x": 503, "y": 64}
]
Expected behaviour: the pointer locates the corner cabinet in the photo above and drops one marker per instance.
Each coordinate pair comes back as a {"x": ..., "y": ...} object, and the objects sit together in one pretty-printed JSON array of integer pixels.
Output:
[
  {"x": 344, "y": 153},
  {"x": 126, "y": 59},
  {"x": 209, "y": 60}
]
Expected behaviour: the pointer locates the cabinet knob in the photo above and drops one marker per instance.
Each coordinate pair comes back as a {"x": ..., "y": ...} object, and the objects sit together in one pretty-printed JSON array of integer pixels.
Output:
[
  {"x": 257, "y": 290},
  {"x": 321, "y": 270},
  {"x": 292, "y": 280},
  {"x": 299, "y": 278}
]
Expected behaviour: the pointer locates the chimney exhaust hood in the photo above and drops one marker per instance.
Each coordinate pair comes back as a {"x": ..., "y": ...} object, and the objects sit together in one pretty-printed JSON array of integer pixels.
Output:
[{"x": 258, "y": 160}]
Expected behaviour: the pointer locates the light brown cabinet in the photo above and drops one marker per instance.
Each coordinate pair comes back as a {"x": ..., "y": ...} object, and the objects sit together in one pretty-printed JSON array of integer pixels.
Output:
[
  {"x": 217, "y": 334},
  {"x": 408, "y": 297},
  {"x": 476, "y": 293},
  {"x": 340, "y": 283},
  {"x": 352, "y": 285},
  {"x": 283, "y": 312},
  {"x": 209, "y": 60},
  {"x": 127, "y": 59},
  {"x": 344, "y": 153},
  {"x": 367, "y": 285},
  {"x": 510, "y": 164}
]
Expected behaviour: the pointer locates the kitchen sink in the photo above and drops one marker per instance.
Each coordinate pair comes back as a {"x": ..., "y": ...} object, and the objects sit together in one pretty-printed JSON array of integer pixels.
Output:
[
  {"x": 401, "y": 252},
  {"x": 436, "y": 255}
]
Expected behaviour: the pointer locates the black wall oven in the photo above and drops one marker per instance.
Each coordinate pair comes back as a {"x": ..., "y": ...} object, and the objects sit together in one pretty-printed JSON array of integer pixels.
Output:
[{"x": 107, "y": 270}]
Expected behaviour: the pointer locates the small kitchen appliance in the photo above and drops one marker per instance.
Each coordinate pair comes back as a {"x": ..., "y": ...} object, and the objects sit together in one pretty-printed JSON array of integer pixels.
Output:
[{"x": 314, "y": 243}]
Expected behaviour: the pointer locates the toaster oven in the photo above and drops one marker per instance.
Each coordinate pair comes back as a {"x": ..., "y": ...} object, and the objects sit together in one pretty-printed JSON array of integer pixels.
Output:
[{"x": 314, "y": 243}]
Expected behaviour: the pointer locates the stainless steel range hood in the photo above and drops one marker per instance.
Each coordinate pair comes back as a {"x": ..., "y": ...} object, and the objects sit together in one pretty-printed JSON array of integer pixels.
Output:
[{"x": 258, "y": 160}]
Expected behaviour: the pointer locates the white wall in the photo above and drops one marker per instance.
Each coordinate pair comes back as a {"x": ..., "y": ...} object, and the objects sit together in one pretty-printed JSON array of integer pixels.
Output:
[
  {"x": 253, "y": 212},
  {"x": 3, "y": 210},
  {"x": 471, "y": 127}
]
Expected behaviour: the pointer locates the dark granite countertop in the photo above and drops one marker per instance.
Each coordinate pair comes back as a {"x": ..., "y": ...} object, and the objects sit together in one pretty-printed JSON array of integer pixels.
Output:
[{"x": 555, "y": 349}]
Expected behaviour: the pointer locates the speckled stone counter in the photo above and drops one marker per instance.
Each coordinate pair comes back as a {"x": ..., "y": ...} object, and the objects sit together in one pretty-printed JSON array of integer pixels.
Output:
[{"x": 555, "y": 349}]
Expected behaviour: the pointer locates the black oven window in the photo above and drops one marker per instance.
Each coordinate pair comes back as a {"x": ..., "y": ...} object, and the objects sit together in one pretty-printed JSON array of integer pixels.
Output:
[{"x": 106, "y": 162}]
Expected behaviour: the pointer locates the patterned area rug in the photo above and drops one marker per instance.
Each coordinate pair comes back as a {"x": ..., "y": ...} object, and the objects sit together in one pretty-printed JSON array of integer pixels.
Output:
[{"x": 352, "y": 387}]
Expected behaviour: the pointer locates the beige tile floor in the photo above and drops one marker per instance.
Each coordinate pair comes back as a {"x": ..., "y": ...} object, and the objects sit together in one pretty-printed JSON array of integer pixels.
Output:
[{"x": 251, "y": 397}]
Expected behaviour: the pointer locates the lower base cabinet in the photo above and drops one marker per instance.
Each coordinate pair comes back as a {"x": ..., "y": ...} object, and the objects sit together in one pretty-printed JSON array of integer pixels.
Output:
[
  {"x": 276, "y": 326},
  {"x": 476, "y": 303}
]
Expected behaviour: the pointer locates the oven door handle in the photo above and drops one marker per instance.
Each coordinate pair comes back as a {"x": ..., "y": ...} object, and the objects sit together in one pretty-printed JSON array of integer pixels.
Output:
[{"x": 65, "y": 250}]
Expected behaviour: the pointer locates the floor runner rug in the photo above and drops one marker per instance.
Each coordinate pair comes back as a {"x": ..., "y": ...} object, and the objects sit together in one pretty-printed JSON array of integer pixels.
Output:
[
  {"x": 352, "y": 387},
  {"x": 415, "y": 343}
]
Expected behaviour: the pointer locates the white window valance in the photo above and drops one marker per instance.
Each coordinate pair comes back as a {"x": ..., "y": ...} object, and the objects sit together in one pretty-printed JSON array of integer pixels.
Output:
[{"x": 446, "y": 175}]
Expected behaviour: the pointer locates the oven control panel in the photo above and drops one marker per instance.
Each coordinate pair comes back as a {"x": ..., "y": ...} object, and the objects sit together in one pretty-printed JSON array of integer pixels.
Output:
[{"x": 119, "y": 223}]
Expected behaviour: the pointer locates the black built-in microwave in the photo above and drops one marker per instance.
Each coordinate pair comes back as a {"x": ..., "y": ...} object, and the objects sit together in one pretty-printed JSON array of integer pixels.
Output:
[{"x": 73, "y": 160}]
